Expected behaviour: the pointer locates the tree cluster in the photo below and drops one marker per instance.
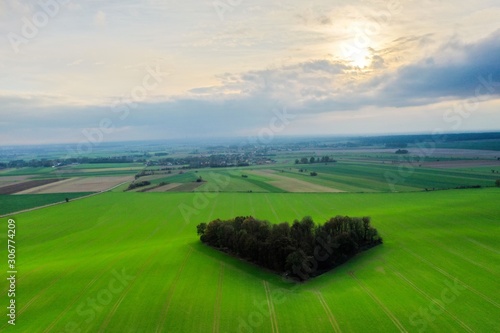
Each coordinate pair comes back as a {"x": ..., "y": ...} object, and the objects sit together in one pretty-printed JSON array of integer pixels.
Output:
[
  {"x": 47, "y": 163},
  {"x": 138, "y": 184},
  {"x": 323, "y": 159},
  {"x": 402, "y": 151},
  {"x": 300, "y": 250}
]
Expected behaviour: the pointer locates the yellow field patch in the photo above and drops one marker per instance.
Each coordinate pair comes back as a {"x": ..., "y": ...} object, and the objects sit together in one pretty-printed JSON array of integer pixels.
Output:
[
  {"x": 165, "y": 188},
  {"x": 80, "y": 184},
  {"x": 9, "y": 180},
  {"x": 291, "y": 184}
]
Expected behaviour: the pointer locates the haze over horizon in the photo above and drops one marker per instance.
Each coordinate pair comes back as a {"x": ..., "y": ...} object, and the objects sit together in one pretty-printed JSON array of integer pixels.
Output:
[{"x": 154, "y": 70}]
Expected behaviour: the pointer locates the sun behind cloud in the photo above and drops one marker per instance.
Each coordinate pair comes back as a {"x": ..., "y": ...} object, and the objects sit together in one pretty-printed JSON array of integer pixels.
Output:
[{"x": 361, "y": 59}]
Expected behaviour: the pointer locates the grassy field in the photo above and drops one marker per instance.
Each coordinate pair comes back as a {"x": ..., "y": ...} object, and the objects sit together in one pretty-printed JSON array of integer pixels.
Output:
[
  {"x": 14, "y": 203},
  {"x": 132, "y": 262}
]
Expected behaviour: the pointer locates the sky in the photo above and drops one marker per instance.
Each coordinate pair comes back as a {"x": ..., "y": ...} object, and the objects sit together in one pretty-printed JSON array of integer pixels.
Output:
[{"x": 101, "y": 71}]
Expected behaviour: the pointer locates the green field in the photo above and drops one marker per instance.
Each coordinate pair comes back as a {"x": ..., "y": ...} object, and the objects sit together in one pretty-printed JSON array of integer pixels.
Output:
[
  {"x": 15, "y": 203},
  {"x": 346, "y": 176},
  {"x": 132, "y": 262}
]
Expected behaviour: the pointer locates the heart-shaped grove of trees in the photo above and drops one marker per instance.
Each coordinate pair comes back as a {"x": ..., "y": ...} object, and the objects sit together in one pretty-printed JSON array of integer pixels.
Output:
[{"x": 299, "y": 251}]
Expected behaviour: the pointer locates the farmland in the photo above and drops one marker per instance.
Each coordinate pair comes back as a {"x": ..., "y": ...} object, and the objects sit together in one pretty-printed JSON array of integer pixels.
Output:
[
  {"x": 138, "y": 256},
  {"x": 128, "y": 260},
  {"x": 11, "y": 203},
  {"x": 79, "y": 184}
]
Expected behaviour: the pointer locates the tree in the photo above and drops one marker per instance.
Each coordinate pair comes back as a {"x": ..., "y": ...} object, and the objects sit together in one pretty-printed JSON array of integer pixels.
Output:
[
  {"x": 297, "y": 161},
  {"x": 302, "y": 250},
  {"x": 304, "y": 160},
  {"x": 314, "y": 173},
  {"x": 312, "y": 160},
  {"x": 497, "y": 183},
  {"x": 201, "y": 228}
]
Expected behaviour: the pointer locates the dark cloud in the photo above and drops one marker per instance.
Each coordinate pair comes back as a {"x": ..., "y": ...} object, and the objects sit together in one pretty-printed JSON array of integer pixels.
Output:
[{"x": 436, "y": 78}]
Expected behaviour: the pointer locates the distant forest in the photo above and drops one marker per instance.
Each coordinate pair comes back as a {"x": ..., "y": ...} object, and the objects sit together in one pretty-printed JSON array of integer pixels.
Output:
[{"x": 301, "y": 250}]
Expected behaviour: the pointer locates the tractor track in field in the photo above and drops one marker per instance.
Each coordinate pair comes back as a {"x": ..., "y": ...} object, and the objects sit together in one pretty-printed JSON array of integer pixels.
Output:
[
  {"x": 272, "y": 312},
  {"x": 214, "y": 203},
  {"x": 453, "y": 278},
  {"x": 125, "y": 292},
  {"x": 317, "y": 211},
  {"x": 446, "y": 249},
  {"x": 272, "y": 208},
  {"x": 462, "y": 257},
  {"x": 22, "y": 278},
  {"x": 429, "y": 298},
  {"x": 331, "y": 317},
  {"x": 218, "y": 301},
  {"x": 80, "y": 295},
  {"x": 287, "y": 202},
  {"x": 37, "y": 296},
  {"x": 171, "y": 291},
  {"x": 486, "y": 247},
  {"x": 252, "y": 208},
  {"x": 391, "y": 316},
  {"x": 232, "y": 205}
]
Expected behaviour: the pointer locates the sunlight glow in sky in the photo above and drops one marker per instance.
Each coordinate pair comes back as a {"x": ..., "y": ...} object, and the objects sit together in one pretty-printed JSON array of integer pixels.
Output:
[{"x": 156, "y": 69}]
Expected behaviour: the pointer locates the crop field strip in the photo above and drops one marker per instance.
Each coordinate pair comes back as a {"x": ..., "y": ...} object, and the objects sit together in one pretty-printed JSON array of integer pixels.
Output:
[
  {"x": 401, "y": 225},
  {"x": 81, "y": 184},
  {"x": 26, "y": 185},
  {"x": 26, "y": 202}
]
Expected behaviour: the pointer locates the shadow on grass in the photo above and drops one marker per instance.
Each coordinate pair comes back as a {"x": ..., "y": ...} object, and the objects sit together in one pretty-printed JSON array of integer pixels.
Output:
[{"x": 358, "y": 262}]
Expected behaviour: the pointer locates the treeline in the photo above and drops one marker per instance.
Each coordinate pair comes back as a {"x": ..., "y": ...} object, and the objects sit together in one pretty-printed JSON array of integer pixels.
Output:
[
  {"x": 138, "y": 184},
  {"x": 323, "y": 159},
  {"x": 300, "y": 250},
  {"x": 47, "y": 163}
]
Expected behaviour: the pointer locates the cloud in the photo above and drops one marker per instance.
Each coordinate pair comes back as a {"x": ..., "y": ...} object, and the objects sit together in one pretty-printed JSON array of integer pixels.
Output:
[
  {"x": 223, "y": 75},
  {"x": 100, "y": 19},
  {"x": 314, "y": 88},
  {"x": 454, "y": 72},
  {"x": 75, "y": 63}
]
